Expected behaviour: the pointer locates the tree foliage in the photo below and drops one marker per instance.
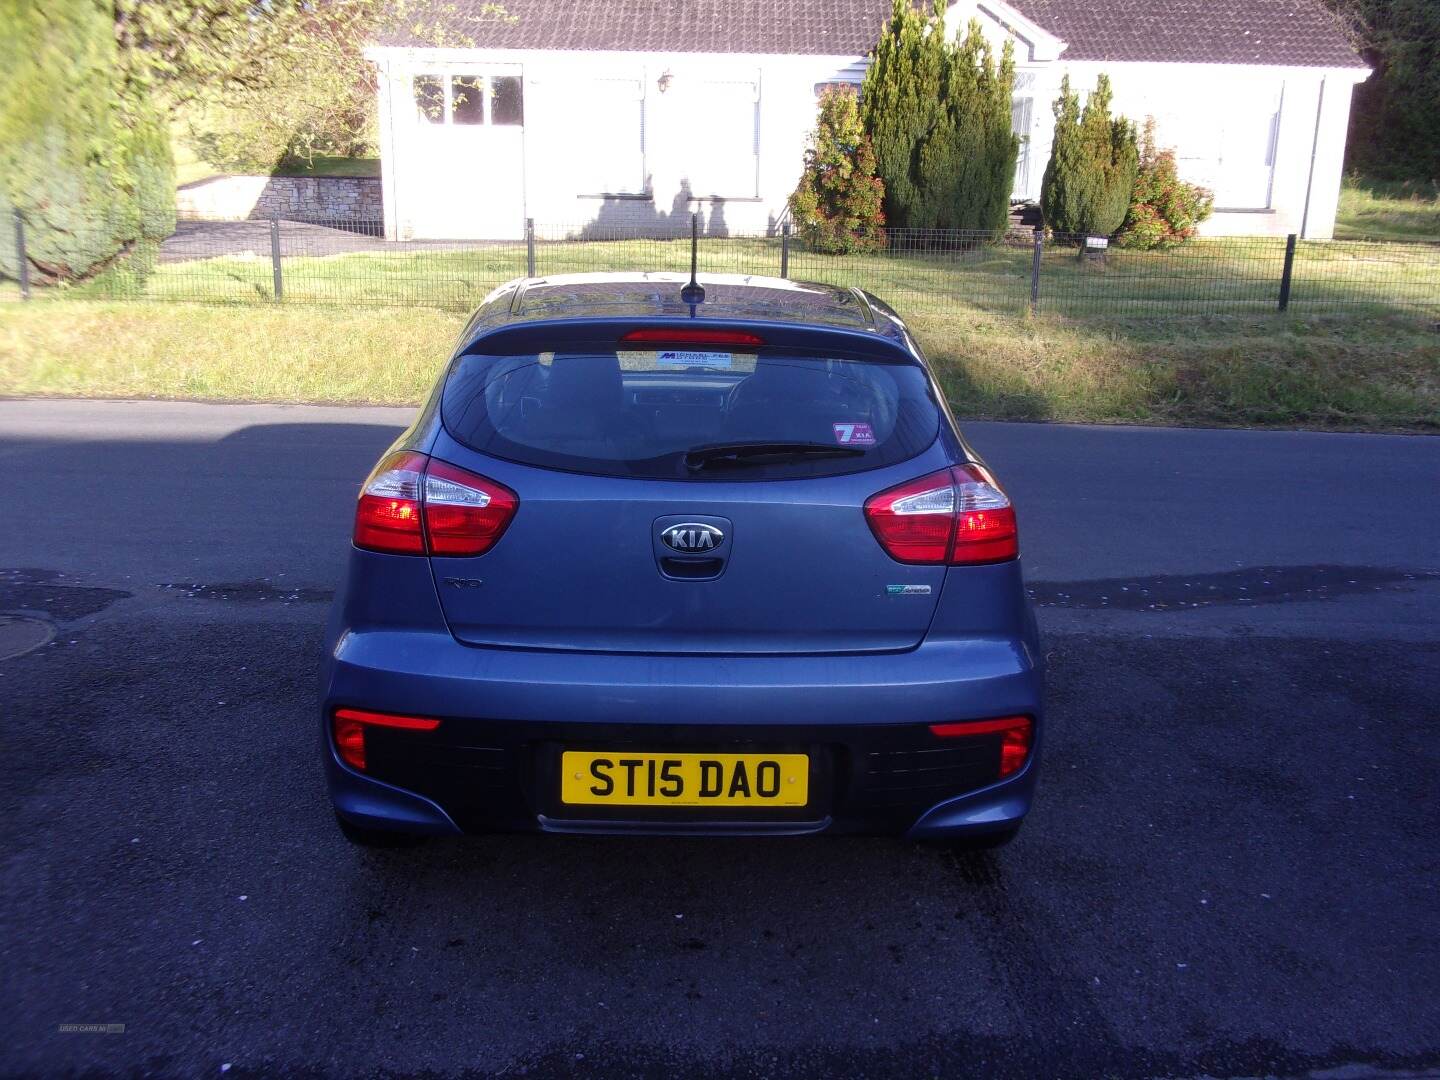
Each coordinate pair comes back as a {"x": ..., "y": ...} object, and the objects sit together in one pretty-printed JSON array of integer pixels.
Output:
[
  {"x": 1395, "y": 120},
  {"x": 839, "y": 203},
  {"x": 296, "y": 82},
  {"x": 84, "y": 152},
  {"x": 966, "y": 166},
  {"x": 938, "y": 113},
  {"x": 1164, "y": 210},
  {"x": 1093, "y": 164}
]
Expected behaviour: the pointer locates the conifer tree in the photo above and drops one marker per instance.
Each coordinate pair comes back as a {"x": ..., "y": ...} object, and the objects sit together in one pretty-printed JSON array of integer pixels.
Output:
[
  {"x": 901, "y": 103},
  {"x": 1093, "y": 163},
  {"x": 938, "y": 114}
]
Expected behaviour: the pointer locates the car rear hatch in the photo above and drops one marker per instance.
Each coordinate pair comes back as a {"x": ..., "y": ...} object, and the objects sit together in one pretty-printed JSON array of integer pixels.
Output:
[{"x": 699, "y": 499}]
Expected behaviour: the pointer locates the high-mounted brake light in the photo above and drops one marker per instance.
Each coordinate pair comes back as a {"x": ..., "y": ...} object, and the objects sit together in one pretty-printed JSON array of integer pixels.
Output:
[
  {"x": 956, "y": 516},
  {"x": 414, "y": 505},
  {"x": 1017, "y": 735},
  {"x": 350, "y": 726},
  {"x": 665, "y": 335}
]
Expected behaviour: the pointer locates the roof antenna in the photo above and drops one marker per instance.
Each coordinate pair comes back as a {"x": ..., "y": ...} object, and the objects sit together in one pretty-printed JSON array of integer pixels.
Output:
[{"x": 694, "y": 292}]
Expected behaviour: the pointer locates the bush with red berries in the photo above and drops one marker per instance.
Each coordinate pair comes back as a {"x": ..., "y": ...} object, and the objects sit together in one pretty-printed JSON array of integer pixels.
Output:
[
  {"x": 838, "y": 207},
  {"x": 1164, "y": 210}
]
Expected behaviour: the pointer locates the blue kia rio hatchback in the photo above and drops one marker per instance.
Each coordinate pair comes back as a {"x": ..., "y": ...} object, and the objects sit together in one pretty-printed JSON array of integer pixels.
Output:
[{"x": 682, "y": 559}]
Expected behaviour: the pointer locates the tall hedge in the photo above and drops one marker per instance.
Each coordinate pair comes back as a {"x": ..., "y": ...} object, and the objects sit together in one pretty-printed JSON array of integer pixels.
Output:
[
  {"x": 938, "y": 114},
  {"x": 1093, "y": 163},
  {"x": 83, "y": 156},
  {"x": 1395, "y": 120}
]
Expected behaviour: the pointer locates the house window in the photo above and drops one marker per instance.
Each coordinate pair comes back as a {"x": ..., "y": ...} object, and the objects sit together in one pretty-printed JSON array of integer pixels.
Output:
[
  {"x": 721, "y": 156},
  {"x": 429, "y": 91},
  {"x": 469, "y": 100},
  {"x": 506, "y": 104},
  {"x": 607, "y": 129}
]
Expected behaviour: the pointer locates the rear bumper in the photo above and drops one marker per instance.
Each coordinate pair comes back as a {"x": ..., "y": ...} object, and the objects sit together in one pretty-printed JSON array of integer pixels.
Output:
[{"x": 491, "y": 766}]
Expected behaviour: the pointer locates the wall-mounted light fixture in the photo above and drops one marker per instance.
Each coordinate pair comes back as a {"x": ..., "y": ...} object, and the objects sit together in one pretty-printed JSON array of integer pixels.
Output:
[{"x": 664, "y": 81}]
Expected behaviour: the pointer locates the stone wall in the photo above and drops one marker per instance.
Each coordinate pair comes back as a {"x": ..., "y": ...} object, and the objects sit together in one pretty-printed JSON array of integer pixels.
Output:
[{"x": 238, "y": 198}]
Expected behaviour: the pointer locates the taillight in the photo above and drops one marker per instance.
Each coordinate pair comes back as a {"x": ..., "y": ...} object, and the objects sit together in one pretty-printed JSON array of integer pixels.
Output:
[
  {"x": 387, "y": 517},
  {"x": 1017, "y": 735},
  {"x": 464, "y": 514},
  {"x": 350, "y": 725},
  {"x": 957, "y": 516},
  {"x": 414, "y": 505}
]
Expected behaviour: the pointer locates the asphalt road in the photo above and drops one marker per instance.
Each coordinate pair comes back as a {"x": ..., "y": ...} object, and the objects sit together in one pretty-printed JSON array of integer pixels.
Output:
[{"x": 1232, "y": 868}]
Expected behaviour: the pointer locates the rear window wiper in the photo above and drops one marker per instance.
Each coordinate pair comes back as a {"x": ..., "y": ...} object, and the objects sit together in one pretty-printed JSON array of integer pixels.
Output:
[{"x": 730, "y": 455}]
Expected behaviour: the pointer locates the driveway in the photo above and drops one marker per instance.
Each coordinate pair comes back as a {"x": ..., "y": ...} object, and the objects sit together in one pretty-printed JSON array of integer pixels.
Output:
[
  {"x": 251, "y": 239},
  {"x": 1231, "y": 869}
]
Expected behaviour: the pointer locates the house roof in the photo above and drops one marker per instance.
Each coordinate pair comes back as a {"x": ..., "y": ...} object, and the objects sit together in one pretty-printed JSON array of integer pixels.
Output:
[
  {"x": 1288, "y": 32},
  {"x": 1298, "y": 32}
]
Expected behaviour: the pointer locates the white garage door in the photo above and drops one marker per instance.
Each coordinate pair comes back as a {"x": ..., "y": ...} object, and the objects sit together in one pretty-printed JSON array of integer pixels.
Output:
[
  {"x": 461, "y": 170},
  {"x": 1227, "y": 143}
]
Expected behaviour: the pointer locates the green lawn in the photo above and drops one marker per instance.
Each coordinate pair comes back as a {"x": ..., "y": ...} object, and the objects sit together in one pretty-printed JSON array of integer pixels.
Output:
[
  {"x": 330, "y": 166},
  {"x": 1387, "y": 210},
  {"x": 1333, "y": 372},
  {"x": 1229, "y": 277}
]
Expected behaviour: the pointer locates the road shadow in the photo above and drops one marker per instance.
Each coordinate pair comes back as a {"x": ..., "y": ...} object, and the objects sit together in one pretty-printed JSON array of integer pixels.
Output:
[{"x": 193, "y": 511}]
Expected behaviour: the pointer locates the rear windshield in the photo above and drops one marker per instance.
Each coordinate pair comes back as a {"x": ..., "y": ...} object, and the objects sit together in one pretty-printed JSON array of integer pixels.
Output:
[{"x": 691, "y": 414}]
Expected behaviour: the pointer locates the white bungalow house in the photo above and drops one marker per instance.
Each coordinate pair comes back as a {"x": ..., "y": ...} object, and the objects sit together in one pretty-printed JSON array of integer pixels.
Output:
[{"x": 591, "y": 113}]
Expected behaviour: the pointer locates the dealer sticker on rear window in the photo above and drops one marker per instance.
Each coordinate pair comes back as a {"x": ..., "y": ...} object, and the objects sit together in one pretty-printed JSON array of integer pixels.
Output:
[
  {"x": 680, "y": 358},
  {"x": 854, "y": 434}
]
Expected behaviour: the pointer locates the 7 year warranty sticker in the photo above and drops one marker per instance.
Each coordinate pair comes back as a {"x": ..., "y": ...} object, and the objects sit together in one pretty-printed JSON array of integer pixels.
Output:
[{"x": 854, "y": 434}]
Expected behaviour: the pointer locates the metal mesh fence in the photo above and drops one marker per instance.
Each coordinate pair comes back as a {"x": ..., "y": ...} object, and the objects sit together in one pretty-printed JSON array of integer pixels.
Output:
[{"x": 930, "y": 272}]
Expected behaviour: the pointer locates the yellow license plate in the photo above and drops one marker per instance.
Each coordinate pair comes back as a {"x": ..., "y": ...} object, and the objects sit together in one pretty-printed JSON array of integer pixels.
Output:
[{"x": 590, "y": 778}]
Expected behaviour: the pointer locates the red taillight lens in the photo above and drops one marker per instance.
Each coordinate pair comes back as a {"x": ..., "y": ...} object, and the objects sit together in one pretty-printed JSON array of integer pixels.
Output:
[
  {"x": 350, "y": 725},
  {"x": 958, "y": 516},
  {"x": 414, "y": 505},
  {"x": 387, "y": 517},
  {"x": 464, "y": 514},
  {"x": 667, "y": 335},
  {"x": 1017, "y": 735}
]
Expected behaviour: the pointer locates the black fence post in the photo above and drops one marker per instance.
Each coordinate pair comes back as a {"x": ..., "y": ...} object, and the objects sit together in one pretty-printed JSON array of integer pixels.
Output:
[
  {"x": 785, "y": 250},
  {"x": 529, "y": 247},
  {"x": 1287, "y": 275},
  {"x": 275, "y": 259},
  {"x": 1035, "y": 271},
  {"x": 22, "y": 260}
]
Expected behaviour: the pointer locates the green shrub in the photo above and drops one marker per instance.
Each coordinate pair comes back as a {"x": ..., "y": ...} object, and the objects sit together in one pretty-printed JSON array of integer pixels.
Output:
[
  {"x": 839, "y": 204},
  {"x": 1164, "y": 210},
  {"x": 1093, "y": 163},
  {"x": 83, "y": 156},
  {"x": 938, "y": 114}
]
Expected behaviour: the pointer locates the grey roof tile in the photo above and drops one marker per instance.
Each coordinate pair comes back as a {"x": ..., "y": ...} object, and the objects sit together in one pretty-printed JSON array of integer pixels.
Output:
[{"x": 1299, "y": 32}]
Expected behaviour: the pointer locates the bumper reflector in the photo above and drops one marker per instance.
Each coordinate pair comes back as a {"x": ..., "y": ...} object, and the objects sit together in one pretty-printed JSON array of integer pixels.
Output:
[
  {"x": 349, "y": 730},
  {"x": 1017, "y": 735}
]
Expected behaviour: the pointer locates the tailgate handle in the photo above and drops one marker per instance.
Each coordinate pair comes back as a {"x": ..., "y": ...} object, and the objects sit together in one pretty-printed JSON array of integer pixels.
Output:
[{"x": 692, "y": 569}]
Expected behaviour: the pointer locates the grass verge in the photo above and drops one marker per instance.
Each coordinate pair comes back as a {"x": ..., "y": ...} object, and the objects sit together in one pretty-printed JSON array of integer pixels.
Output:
[{"x": 1316, "y": 372}]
